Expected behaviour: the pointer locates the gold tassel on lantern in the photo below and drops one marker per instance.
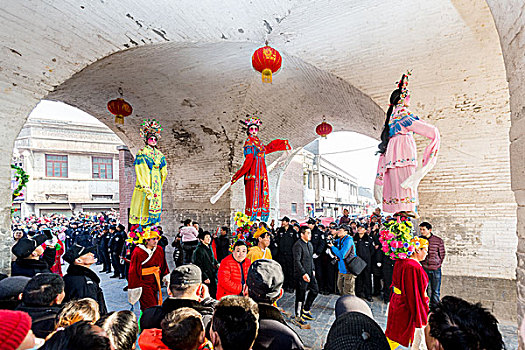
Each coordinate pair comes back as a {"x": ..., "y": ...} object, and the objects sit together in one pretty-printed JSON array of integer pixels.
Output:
[{"x": 267, "y": 76}]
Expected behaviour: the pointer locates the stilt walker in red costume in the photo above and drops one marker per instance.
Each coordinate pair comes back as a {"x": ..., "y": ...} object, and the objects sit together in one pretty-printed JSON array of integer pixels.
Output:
[
  {"x": 408, "y": 307},
  {"x": 147, "y": 268},
  {"x": 254, "y": 171}
]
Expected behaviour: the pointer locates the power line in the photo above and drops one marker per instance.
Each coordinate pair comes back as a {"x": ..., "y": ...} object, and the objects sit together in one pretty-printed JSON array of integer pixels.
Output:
[{"x": 348, "y": 151}]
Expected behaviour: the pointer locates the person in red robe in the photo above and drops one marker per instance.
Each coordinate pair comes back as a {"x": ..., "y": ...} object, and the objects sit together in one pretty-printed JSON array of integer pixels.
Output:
[
  {"x": 254, "y": 170},
  {"x": 147, "y": 269},
  {"x": 408, "y": 308},
  {"x": 57, "y": 267}
]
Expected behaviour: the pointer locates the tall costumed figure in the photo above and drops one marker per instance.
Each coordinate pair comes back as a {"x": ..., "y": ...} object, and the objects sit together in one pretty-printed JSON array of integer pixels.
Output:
[
  {"x": 255, "y": 172},
  {"x": 151, "y": 171},
  {"x": 398, "y": 175}
]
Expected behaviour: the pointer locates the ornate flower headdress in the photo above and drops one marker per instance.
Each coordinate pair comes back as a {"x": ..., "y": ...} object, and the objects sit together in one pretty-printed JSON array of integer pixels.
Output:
[
  {"x": 252, "y": 120},
  {"x": 397, "y": 239},
  {"x": 244, "y": 229},
  {"x": 137, "y": 234},
  {"x": 150, "y": 126},
  {"x": 403, "y": 85}
]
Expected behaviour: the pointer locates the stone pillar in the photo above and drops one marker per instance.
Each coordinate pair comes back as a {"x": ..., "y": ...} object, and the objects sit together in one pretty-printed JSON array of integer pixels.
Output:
[
  {"x": 511, "y": 28},
  {"x": 126, "y": 177}
]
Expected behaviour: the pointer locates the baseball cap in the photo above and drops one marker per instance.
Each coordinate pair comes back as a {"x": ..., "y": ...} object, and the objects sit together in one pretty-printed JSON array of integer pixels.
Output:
[
  {"x": 76, "y": 251},
  {"x": 265, "y": 279},
  {"x": 185, "y": 274},
  {"x": 285, "y": 218},
  {"x": 26, "y": 245}
]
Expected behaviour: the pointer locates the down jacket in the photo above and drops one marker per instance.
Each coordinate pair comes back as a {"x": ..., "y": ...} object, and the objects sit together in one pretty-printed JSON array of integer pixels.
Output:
[{"x": 230, "y": 281}]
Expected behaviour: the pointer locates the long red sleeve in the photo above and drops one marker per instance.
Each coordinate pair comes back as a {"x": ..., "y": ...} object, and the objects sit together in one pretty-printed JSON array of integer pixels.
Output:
[
  {"x": 244, "y": 169},
  {"x": 277, "y": 145}
]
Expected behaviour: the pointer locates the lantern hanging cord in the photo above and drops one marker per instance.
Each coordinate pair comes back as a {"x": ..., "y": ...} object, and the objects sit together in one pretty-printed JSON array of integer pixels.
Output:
[{"x": 348, "y": 151}]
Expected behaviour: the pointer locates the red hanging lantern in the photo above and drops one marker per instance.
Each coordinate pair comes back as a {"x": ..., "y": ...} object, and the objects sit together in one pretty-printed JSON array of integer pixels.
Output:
[
  {"x": 120, "y": 109},
  {"x": 323, "y": 129},
  {"x": 267, "y": 61}
]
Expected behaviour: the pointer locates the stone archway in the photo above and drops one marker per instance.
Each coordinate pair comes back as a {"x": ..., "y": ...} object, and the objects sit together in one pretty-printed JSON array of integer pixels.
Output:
[
  {"x": 200, "y": 109},
  {"x": 459, "y": 84}
]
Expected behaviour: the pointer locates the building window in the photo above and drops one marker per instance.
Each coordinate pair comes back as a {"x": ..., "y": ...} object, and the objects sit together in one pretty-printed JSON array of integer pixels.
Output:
[
  {"x": 294, "y": 208},
  {"x": 102, "y": 168},
  {"x": 56, "y": 166},
  {"x": 323, "y": 182}
]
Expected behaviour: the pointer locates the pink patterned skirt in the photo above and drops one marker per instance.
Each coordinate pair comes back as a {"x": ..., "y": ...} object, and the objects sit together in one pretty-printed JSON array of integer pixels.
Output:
[{"x": 395, "y": 197}]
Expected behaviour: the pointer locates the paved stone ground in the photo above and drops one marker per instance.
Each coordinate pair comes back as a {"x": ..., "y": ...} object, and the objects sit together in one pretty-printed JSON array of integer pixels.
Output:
[{"x": 323, "y": 310}]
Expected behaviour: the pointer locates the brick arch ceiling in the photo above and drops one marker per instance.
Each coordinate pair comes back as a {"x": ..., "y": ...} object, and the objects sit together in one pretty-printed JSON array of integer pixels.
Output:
[{"x": 199, "y": 92}]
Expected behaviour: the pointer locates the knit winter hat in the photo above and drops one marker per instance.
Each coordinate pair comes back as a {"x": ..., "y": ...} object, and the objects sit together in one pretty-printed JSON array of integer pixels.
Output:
[
  {"x": 14, "y": 326},
  {"x": 355, "y": 330}
]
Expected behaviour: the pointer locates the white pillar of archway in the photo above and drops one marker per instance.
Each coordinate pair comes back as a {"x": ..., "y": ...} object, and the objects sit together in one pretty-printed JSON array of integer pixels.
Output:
[{"x": 510, "y": 22}]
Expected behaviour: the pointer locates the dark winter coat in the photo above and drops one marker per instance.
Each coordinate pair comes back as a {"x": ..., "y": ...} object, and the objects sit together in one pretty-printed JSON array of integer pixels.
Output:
[
  {"x": 222, "y": 245},
  {"x": 285, "y": 241},
  {"x": 43, "y": 318},
  {"x": 364, "y": 247},
  {"x": 82, "y": 282},
  {"x": 274, "y": 333},
  {"x": 152, "y": 316},
  {"x": 116, "y": 242},
  {"x": 318, "y": 241},
  {"x": 203, "y": 258},
  {"x": 28, "y": 267},
  {"x": 303, "y": 260}
]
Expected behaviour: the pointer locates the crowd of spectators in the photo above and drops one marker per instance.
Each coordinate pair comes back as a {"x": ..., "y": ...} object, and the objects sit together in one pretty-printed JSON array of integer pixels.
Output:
[{"x": 216, "y": 299}]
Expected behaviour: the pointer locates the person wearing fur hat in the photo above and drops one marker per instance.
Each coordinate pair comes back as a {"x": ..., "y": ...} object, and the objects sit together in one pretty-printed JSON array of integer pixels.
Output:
[
  {"x": 151, "y": 170},
  {"x": 28, "y": 251},
  {"x": 80, "y": 281},
  {"x": 147, "y": 269}
]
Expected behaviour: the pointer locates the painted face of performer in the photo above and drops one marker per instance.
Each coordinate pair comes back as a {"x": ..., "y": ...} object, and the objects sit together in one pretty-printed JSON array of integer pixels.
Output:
[
  {"x": 152, "y": 141},
  {"x": 152, "y": 242},
  {"x": 407, "y": 101},
  {"x": 421, "y": 254},
  {"x": 253, "y": 130},
  {"x": 239, "y": 253}
]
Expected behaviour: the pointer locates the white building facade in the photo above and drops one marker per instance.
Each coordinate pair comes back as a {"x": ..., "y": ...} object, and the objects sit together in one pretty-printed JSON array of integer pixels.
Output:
[
  {"x": 325, "y": 189},
  {"x": 72, "y": 166}
]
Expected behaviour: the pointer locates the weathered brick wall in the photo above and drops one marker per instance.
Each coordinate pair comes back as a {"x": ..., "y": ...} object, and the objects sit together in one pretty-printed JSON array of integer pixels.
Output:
[{"x": 127, "y": 178}]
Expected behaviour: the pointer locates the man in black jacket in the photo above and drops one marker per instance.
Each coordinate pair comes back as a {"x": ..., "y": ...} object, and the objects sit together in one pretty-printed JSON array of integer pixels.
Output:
[
  {"x": 286, "y": 237},
  {"x": 303, "y": 252},
  {"x": 319, "y": 245},
  {"x": 222, "y": 243},
  {"x": 41, "y": 299},
  {"x": 186, "y": 290},
  {"x": 115, "y": 247},
  {"x": 80, "y": 281},
  {"x": 28, "y": 252},
  {"x": 364, "y": 247},
  {"x": 265, "y": 281}
]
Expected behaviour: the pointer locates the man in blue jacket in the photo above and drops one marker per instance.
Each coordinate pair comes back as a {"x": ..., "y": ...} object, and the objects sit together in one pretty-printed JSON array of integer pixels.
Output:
[{"x": 342, "y": 246}]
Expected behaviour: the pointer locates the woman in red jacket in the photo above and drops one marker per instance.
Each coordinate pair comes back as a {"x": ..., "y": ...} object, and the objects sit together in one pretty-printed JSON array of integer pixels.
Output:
[{"x": 233, "y": 271}]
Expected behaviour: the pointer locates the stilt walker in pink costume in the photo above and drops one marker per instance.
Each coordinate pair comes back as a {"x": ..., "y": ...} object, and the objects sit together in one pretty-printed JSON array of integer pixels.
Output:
[{"x": 397, "y": 176}]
